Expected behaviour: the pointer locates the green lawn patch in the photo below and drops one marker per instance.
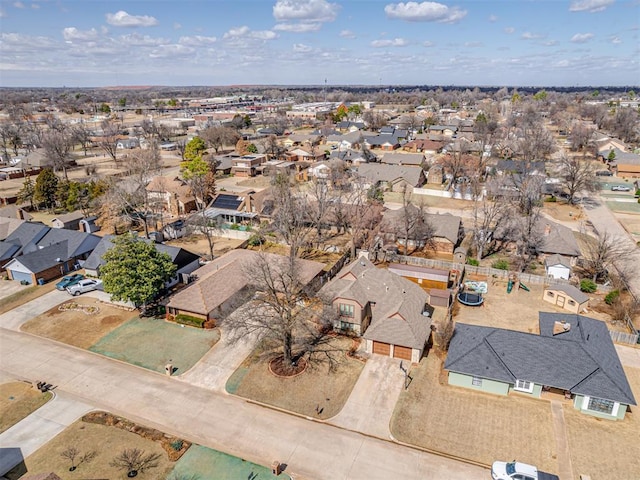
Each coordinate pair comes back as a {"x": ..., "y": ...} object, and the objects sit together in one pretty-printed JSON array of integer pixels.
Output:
[
  {"x": 152, "y": 343},
  {"x": 202, "y": 462}
]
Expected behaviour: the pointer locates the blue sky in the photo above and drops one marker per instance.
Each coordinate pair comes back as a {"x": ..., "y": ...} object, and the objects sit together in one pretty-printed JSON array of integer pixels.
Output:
[{"x": 223, "y": 42}]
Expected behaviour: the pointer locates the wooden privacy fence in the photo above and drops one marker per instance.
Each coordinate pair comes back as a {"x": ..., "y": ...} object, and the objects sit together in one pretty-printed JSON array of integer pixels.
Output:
[{"x": 622, "y": 337}]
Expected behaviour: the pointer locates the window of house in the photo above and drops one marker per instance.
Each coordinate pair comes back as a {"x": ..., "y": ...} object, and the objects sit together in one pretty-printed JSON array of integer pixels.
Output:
[
  {"x": 476, "y": 381},
  {"x": 346, "y": 310},
  {"x": 346, "y": 326},
  {"x": 524, "y": 386},
  {"x": 571, "y": 302},
  {"x": 549, "y": 294},
  {"x": 601, "y": 405}
]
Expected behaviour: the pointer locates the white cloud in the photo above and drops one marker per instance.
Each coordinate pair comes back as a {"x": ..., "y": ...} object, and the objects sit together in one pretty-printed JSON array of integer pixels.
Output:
[
  {"x": 301, "y": 47},
  {"x": 424, "y": 12},
  {"x": 591, "y": 6},
  {"x": 509, "y": 30},
  {"x": 428, "y": 44},
  {"x": 3, "y": 14},
  {"x": 550, "y": 43},
  {"x": 123, "y": 19},
  {"x": 17, "y": 42},
  {"x": 493, "y": 18},
  {"x": 581, "y": 37},
  {"x": 19, "y": 5},
  {"x": 396, "y": 42},
  {"x": 297, "y": 27},
  {"x": 71, "y": 34},
  {"x": 197, "y": 41},
  {"x": 137, "y": 40},
  {"x": 472, "y": 44},
  {"x": 164, "y": 51},
  {"x": 530, "y": 36},
  {"x": 177, "y": 26},
  {"x": 35, "y": 6},
  {"x": 347, "y": 34},
  {"x": 246, "y": 32},
  {"x": 316, "y": 11},
  {"x": 616, "y": 40}
]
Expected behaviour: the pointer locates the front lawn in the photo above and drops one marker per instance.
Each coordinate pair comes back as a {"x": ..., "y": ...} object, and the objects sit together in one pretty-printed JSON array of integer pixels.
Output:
[
  {"x": 152, "y": 343},
  {"x": 318, "y": 392},
  {"x": 17, "y": 401}
]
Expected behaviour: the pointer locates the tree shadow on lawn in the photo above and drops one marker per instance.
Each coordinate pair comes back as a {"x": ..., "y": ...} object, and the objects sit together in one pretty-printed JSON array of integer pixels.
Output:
[
  {"x": 320, "y": 391},
  {"x": 152, "y": 343}
]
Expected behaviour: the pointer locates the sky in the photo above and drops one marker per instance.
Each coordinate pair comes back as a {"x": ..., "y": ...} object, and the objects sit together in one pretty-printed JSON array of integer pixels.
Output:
[{"x": 87, "y": 43}]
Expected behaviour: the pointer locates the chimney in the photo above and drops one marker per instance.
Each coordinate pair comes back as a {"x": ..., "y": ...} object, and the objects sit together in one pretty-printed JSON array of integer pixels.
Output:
[
  {"x": 547, "y": 230},
  {"x": 248, "y": 203},
  {"x": 20, "y": 213}
]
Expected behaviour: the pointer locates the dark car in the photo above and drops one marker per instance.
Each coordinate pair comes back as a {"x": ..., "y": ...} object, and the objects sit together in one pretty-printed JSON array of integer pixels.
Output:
[
  {"x": 604, "y": 173},
  {"x": 68, "y": 281}
]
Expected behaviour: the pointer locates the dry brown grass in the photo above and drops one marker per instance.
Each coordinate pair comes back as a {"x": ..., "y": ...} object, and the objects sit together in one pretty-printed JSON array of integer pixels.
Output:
[
  {"x": 17, "y": 401},
  {"x": 199, "y": 245},
  {"x": 517, "y": 310},
  {"x": 563, "y": 212},
  {"x": 473, "y": 425},
  {"x": 107, "y": 442},
  {"x": 316, "y": 390},
  {"x": 605, "y": 449},
  {"x": 75, "y": 327},
  {"x": 24, "y": 296}
]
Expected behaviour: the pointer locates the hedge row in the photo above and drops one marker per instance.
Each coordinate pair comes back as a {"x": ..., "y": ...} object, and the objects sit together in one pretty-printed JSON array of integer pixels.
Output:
[{"x": 189, "y": 320}]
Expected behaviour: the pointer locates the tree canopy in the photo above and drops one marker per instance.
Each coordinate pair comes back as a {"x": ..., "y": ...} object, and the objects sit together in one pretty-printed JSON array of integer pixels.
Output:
[
  {"x": 195, "y": 148},
  {"x": 134, "y": 270}
]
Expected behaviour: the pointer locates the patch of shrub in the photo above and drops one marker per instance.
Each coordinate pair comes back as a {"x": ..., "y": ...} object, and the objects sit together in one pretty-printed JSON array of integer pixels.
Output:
[
  {"x": 256, "y": 240},
  {"x": 473, "y": 262},
  {"x": 588, "y": 286},
  {"x": 500, "y": 265},
  {"x": 177, "y": 445},
  {"x": 189, "y": 320},
  {"x": 550, "y": 199},
  {"x": 612, "y": 296}
]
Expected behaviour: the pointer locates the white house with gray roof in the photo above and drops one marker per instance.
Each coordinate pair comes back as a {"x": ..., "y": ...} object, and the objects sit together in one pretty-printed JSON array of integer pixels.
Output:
[{"x": 572, "y": 358}]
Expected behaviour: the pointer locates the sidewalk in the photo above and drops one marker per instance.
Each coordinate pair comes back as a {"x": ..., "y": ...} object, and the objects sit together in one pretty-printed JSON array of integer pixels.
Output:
[
  {"x": 31, "y": 433},
  {"x": 373, "y": 399},
  {"x": 14, "y": 319}
]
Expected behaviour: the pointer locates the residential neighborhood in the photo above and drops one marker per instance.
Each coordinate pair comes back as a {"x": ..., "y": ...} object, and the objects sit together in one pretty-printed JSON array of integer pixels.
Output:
[{"x": 319, "y": 281}]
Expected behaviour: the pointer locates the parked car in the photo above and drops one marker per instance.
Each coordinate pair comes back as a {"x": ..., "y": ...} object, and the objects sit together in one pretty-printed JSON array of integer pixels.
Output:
[
  {"x": 84, "y": 286},
  {"x": 69, "y": 280},
  {"x": 620, "y": 188},
  {"x": 518, "y": 471},
  {"x": 604, "y": 173}
]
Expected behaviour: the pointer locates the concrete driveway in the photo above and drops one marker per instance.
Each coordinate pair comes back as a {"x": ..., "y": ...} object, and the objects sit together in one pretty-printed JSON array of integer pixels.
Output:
[
  {"x": 373, "y": 399},
  {"x": 9, "y": 287},
  {"x": 14, "y": 319},
  {"x": 31, "y": 433}
]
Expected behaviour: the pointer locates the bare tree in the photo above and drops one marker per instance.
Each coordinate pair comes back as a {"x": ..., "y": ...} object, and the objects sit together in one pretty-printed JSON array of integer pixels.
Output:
[
  {"x": 81, "y": 134},
  {"x": 280, "y": 311},
  {"x": 109, "y": 138},
  {"x": 57, "y": 145},
  {"x": 528, "y": 237},
  {"x": 319, "y": 203},
  {"x": 290, "y": 217},
  {"x": 72, "y": 454},
  {"x": 413, "y": 224},
  {"x": 135, "y": 461},
  {"x": 605, "y": 252},
  {"x": 198, "y": 174},
  {"x": 217, "y": 137},
  {"x": 578, "y": 175},
  {"x": 273, "y": 148},
  {"x": 487, "y": 216}
]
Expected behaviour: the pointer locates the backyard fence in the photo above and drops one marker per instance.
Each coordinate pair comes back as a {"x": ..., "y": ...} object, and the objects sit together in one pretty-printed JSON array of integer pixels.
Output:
[{"x": 622, "y": 337}]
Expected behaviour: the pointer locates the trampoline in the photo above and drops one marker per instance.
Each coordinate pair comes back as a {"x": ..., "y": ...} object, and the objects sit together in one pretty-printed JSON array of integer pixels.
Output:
[{"x": 470, "y": 299}]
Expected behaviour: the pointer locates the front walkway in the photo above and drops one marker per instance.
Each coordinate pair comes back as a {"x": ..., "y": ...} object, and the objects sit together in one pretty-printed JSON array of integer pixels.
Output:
[
  {"x": 214, "y": 369},
  {"x": 31, "y": 433},
  {"x": 373, "y": 399},
  {"x": 565, "y": 469}
]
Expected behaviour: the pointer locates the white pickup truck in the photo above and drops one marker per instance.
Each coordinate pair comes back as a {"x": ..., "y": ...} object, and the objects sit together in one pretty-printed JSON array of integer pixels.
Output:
[
  {"x": 83, "y": 286},
  {"x": 518, "y": 471}
]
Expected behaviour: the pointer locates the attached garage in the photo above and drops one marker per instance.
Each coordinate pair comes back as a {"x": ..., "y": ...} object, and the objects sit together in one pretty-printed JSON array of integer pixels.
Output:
[
  {"x": 403, "y": 353},
  {"x": 20, "y": 276},
  {"x": 382, "y": 348}
]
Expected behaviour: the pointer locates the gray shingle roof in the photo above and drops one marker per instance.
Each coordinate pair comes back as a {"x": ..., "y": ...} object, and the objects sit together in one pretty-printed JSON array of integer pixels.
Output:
[
  {"x": 556, "y": 259},
  {"x": 403, "y": 159},
  {"x": 375, "y": 172},
  {"x": 79, "y": 243},
  {"x": 445, "y": 225},
  {"x": 571, "y": 291},
  {"x": 43, "y": 258},
  {"x": 582, "y": 360},
  {"x": 28, "y": 232},
  {"x": 557, "y": 238}
]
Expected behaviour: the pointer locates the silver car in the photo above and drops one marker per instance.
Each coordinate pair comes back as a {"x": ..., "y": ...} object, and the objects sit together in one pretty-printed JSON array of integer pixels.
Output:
[{"x": 84, "y": 286}]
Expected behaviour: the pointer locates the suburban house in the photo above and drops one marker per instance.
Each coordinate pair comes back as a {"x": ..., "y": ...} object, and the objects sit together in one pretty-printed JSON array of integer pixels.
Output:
[
  {"x": 445, "y": 229},
  {"x": 556, "y": 266},
  {"x": 171, "y": 195},
  {"x": 557, "y": 239},
  {"x": 300, "y": 155},
  {"x": 54, "y": 253},
  {"x": 393, "y": 177},
  {"x": 246, "y": 165},
  {"x": 185, "y": 261},
  {"x": 427, "y": 278},
  {"x": 232, "y": 208},
  {"x": 127, "y": 143},
  {"x": 442, "y": 130},
  {"x": 424, "y": 145},
  {"x": 413, "y": 159},
  {"x": 572, "y": 358},
  {"x": 435, "y": 175},
  {"x": 222, "y": 285},
  {"x": 519, "y": 167},
  {"x": 567, "y": 297},
  {"x": 14, "y": 211},
  {"x": 70, "y": 221},
  {"x": 625, "y": 164},
  {"x": 391, "y": 313},
  {"x": 8, "y": 226}
]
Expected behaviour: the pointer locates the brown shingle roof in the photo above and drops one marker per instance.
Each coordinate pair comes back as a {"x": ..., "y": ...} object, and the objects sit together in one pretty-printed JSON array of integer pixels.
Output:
[{"x": 224, "y": 277}]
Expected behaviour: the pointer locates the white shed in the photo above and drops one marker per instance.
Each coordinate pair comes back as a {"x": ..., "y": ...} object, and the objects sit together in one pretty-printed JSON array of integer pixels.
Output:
[{"x": 558, "y": 266}]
